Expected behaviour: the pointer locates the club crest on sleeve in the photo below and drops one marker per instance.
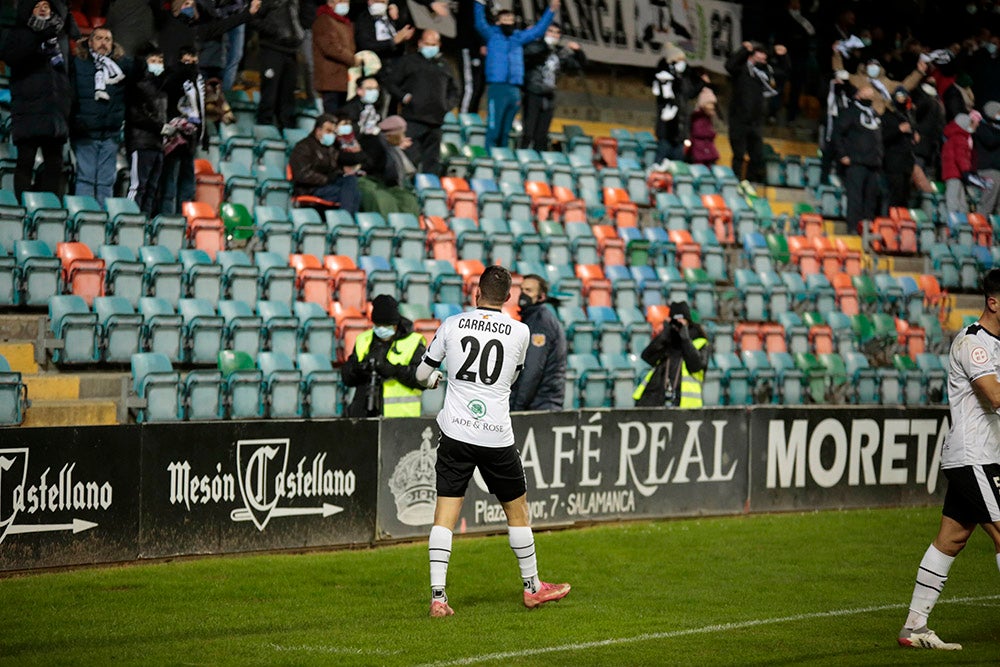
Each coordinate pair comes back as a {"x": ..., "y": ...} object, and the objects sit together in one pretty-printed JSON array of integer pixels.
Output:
[
  {"x": 980, "y": 356},
  {"x": 538, "y": 340}
]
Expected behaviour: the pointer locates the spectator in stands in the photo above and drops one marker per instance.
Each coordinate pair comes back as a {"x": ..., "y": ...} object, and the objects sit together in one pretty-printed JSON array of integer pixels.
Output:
[
  {"x": 185, "y": 26},
  {"x": 857, "y": 140},
  {"x": 703, "y": 150},
  {"x": 674, "y": 90},
  {"x": 839, "y": 98},
  {"x": 472, "y": 56},
  {"x": 186, "y": 131},
  {"x": 131, "y": 21},
  {"x": 384, "y": 29},
  {"x": 898, "y": 139},
  {"x": 145, "y": 123},
  {"x": 958, "y": 167},
  {"x": 872, "y": 74},
  {"x": 987, "y": 144},
  {"x": 958, "y": 97},
  {"x": 984, "y": 67},
  {"x": 505, "y": 66},
  {"x": 37, "y": 51},
  {"x": 280, "y": 35},
  {"x": 387, "y": 186},
  {"x": 541, "y": 384},
  {"x": 320, "y": 170},
  {"x": 752, "y": 85},
  {"x": 307, "y": 19},
  {"x": 383, "y": 364},
  {"x": 798, "y": 35},
  {"x": 362, "y": 109},
  {"x": 211, "y": 49},
  {"x": 232, "y": 42},
  {"x": 781, "y": 67},
  {"x": 333, "y": 52},
  {"x": 929, "y": 116},
  {"x": 544, "y": 60},
  {"x": 679, "y": 355},
  {"x": 426, "y": 89},
  {"x": 99, "y": 77}
]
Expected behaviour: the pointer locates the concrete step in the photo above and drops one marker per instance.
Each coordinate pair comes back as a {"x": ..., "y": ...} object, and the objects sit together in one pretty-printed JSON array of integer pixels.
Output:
[
  {"x": 79, "y": 412},
  {"x": 51, "y": 386},
  {"x": 20, "y": 356},
  {"x": 21, "y": 327},
  {"x": 101, "y": 385}
]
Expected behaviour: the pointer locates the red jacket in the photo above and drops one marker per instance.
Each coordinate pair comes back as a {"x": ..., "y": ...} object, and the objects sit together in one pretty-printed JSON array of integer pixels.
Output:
[
  {"x": 703, "y": 150},
  {"x": 957, "y": 157}
]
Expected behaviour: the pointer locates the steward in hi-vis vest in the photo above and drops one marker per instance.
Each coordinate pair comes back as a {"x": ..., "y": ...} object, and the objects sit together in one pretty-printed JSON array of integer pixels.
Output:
[
  {"x": 679, "y": 355},
  {"x": 381, "y": 368}
]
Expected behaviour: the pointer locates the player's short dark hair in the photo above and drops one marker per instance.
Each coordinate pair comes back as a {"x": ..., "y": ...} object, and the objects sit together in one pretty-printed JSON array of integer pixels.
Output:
[
  {"x": 494, "y": 284},
  {"x": 543, "y": 284},
  {"x": 991, "y": 283}
]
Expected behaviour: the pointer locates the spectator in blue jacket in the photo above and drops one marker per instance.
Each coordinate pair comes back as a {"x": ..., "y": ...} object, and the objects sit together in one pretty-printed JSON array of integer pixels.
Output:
[
  {"x": 505, "y": 66},
  {"x": 99, "y": 73}
]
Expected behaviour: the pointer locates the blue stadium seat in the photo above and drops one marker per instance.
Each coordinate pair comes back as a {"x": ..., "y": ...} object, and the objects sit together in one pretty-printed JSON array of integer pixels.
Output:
[
  {"x": 310, "y": 231},
  {"x": 275, "y": 228},
  {"x": 376, "y": 234},
  {"x": 87, "y": 220},
  {"x": 610, "y": 332},
  {"x": 203, "y": 330},
  {"x": 409, "y": 239},
  {"x": 470, "y": 239},
  {"x": 414, "y": 282},
  {"x": 45, "y": 218},
  {"x": 446, "y": 284},
  {"x": 13, "y": 395},
  {"x": 320, "y": 386},
  {"x": 240, "y": 278},
  {"x": 621, "y": 369},
  {"x": 762, "y": 376},
  {"x": 318, "y": 331},
  {"x": 202, "y": 395},
  {"x": 39, "y": 272},
  {"x": 126, "y": 223},
  {"x": 381, "y": 276},
  {"x": 121, "y": 328},
  {"x": 589, "y": 379},
  {"x": 202, "y": 277},
  {"x": 163, "y": 275},
  {"x": 344, "y": 233},
  {"x": 581, "y": 333},
  {"x": 161, "y": 328},
  {"x": 282, "y": 385},
  {"x": 277, "y": 278},
  {"x": 501, "y": 240},
  {"x": 242, "y": 328},
  {"x": 791, "y": 380},
  {"x": 242, "y": 384},
  {"x": 735, "y": 378},
  {"x": 281, "y": 328},
  {"x": 9, "y": 294},
  {"x": 72, "y": 323},
  {"x": 155, "y": 381},
  {"x": 12, "y": 225},
  {"x": 124, "y": 275}
]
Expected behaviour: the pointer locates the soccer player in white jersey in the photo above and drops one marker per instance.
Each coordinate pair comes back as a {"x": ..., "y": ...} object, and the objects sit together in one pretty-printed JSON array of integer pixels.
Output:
[
  {"x": 485, "y": 351},
  {"x": 970, "y": 460}
]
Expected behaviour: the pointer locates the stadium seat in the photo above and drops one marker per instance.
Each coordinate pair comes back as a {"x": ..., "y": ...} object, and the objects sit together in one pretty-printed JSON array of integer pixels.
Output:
[
  {"x": 414, "y": 281},
  {"x": 344, "y": 237},
  {"x": 239, "y": 277},
  {"x": 38, "y": 271},
  {"x": 241, "y": 385},
  {"x": 161, "y": 328},
  {"x": 350, "y": 323},
  {"x": 282, "y": 385},
  {"x": 9, "y": 289},
  {"x": 320, "y": 386},
  {"x": 590, "y": 380},
  {"x": 735, "y": 378},
  {"x": 120, "y": 327},
  {"x": 317, "y": 329},
  {"x": 202, "y": 395},
  {"x": 202, "y": 331},
  {"x": 277, "y": 279},
  {"x": 276, "y": 229},
  {"x": 13, "y": 395},
  {"x": 382, "y": 278},
  {"x": 582, "y": 242},
  {"x": 281, "y": 328},
  {"x": 163, "y": 275},
  {"x": 350, "y": 284},
  {"x": 202, "y": 277},
  {"x": 127, "y": 224},
  {"x": 447, "y": 286},
  {"x": 158, "y": 385},
  {"x": 204, "y": 227},
  {"x": 241, "y": 328},
  {"x": 237, "y": 221},
  {"x": 762, "y": 377},
  {"x": 864, "y": 380},
  {"x": 76, "y": 328},
  {"x": 313, "y": 282},
  {"x": 209, "y": 185},
  {"x": 596, "y": 286},
  {"x": 87, "y": 220},
  {"x": 45, "y": 218},
  {"x": 469, "y": 238},
  {"x": 82, "y": 273}
]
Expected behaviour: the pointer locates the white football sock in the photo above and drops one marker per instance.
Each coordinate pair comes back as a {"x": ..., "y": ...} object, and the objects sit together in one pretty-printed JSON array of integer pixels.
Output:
[
  {"x": 439, "y": 553},
  {"x": 931, "y": 577},
  {"x": 522, "y": 543},
  {"x": 998, "y": 561}
]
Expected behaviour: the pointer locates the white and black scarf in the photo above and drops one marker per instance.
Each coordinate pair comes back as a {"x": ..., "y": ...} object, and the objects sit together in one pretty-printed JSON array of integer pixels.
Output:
[
  {"x": 663, "y": 89},
  {"x": 764, "y": 76},
  {"x": 106, "y": 73},
  {"x": 869, "y": 119}
]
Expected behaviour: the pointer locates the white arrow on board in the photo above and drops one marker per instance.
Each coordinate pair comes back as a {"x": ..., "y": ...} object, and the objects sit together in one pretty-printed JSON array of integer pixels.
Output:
[
  {"x": 243, "y": 514},
  {"x": 78, "y": 526}
]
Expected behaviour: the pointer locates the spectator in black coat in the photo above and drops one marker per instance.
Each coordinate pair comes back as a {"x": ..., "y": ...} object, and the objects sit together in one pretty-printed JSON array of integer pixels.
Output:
[
  {"x": 675, "y": 90},
  {"x": 541, "y": 385},
  {"x": 798, "y": 35},
  {"x": 858, "y": 140},
  {"x": 186, "y": 131},
  {"x": 37, "y": 51},
  {"x": 363, "y": 108},
  {"x": 544, "y": 60},
  {"x": 752, "y": 85},
  {"x": 898, "y": 139},
  {"x": 383, "y": 29},
  {"x": 145, "y": 122},
  {"x": 987, "y": 144},
  {"x": 99, "y": 71},
  {"x": 184, "y": 26},
  {"x": 929, "y": 116},
  {"x": 280, "y": 36},
  {"x": 387, "y": 186},
  {"x": 320, "y": 169},
  {"x": 426, "y": 89}
]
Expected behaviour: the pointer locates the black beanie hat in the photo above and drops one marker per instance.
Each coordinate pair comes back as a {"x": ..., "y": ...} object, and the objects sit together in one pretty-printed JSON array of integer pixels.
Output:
[{"x": 385, "y": 310}]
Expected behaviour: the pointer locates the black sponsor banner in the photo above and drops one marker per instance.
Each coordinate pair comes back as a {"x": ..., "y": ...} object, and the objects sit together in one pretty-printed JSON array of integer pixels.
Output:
[
  {"x": 68, "y": 496},
  {"x": 231, "y": 486},
  {"x": 579, "y": 466},
  {"x": 824, "y": 458}
]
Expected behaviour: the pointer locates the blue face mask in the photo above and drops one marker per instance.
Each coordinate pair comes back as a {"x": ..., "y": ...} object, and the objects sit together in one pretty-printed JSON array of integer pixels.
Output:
[
  {"x": 156, "y": 69},
  {"x": 990, "y": 47},
  {"x": 344, "y": 130},
  {"x": 429, "y": 51},
  {"x": 384, "y": 332},
  {"x": 369, "y": 96},
  {"x": 188, "y": 12},
  {"x": 327, "y": 139}
]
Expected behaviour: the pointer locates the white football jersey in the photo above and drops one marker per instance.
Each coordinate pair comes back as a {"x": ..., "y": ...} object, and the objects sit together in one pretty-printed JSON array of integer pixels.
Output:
[
  {"x": 974, "y": 438},
  {"x": 484, "y": 350}
]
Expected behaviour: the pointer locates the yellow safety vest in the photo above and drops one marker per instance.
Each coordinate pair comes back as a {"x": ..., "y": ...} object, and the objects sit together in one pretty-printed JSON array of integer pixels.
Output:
[
  {"x": 398, "y": 400},
  {"x": 690, "y": 383}
]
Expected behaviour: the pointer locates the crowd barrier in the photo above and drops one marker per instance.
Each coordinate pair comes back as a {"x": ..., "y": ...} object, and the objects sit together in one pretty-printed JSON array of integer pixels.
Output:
[{"x": 76, "y": 496}]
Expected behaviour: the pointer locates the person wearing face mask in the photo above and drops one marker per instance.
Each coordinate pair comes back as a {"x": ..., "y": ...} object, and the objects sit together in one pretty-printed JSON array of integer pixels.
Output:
[
  {"x": 987, "y": 144},
  {"x": 930, "y": 121},
  {"x": 186, "y": 131},
  {"x": 363, "y": 108},
  {"x": 958, "y": 161},
  {"x": 984, "y": 67},
  {"x": 673, "y": 88},
  {"x": 384, "y": 29},
  {"x": 333, "y": 53},
  {"x": 321, "y": 170},
  {"x": 505, "y": 66},
  {"x": 382, "y": 366},
  {"x": 752, "y": 86},
  {"x": 898, "y": 139},
  {"x": 679, "y": 355},
  {"x": 183, "y": 25},
  {"x": 544, "y": 60},
  {"x": 857, "y": 140},
  {"x": 873, "y": 75},
  {"x": 145, "y": 120},
  {"x": 541, "y": 385},
  {"x": 424, "y": 84},
  {"x": 36, "y": 50},
  {"x": 387, "y": 186}
]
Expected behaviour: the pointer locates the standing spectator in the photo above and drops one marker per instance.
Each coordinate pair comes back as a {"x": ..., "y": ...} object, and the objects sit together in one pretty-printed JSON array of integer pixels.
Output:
[
  {"x": 858, "y": 142},
  {"x": 839, "y": 98},
  {"x": 898, "y": 139},
  {"x": 387, "y": 186},
  {"x": 958, "y": 161},
  {"x": 472, "y": 55},
  {"x": 384, "y": 31},
  {"x": 37, "y": 51},
  {"x": 145, "y": 121},
  {"x": 426, "y": 89},
  {"x": 307, "y": 19},
  {"x": 679, "y": 355},
  {"x": 781, "y": 66},
  {"x": 131, "y": 21},
  {"x": 319, "y": 169},
  {"x": 362, "y": 109},
  {"x": 99, "y": 73},
  {"x": 929, "y": 115},
  {"x": 212, "y": 49},
  {"x": 752, "y": 86},
  {"x": 703, "y": 150},
  {"x": 232, "y": 42},
  {"x": 333, "y": 52},
  {"x": 873, "y": 75},
  {"x": 542, "y": 383},
  {"x": 797, "y": 34},
  {"x": 383, "y": 364},
  {"x": 544, "y": 61},
  {"x": 183, "y": 26},
  {"x": 505, "y": 66},
  {"x": 984, "y": 67},
  {"x": 987, "y": 143},
  {"x": 186, "y": 131},
  {"x": 958, "y": 97},
  {"x": 673, "y": 90},
  {"x": 280, "y": 36}
]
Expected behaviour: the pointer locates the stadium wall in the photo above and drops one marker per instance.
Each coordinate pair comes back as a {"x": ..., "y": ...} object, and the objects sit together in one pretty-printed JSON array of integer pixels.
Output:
[{"x": 86, "y": 495}]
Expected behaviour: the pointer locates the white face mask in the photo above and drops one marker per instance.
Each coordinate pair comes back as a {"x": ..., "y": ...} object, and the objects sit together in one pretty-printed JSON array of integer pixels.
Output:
[
  {"x": 341, "y": 8},
  {"x": 929, "y": 89},
  {"x": 873, "y": 71},
  {"x": 551, "y": 41},
  {"x": 680, "y": 66},
  {"x": 378, "y": 8}
]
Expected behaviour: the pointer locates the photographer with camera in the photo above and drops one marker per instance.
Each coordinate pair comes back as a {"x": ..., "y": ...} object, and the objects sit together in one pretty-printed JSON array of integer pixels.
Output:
[
  {"x": 383, "y": 364},
  {"x": 679, "y": 355}
]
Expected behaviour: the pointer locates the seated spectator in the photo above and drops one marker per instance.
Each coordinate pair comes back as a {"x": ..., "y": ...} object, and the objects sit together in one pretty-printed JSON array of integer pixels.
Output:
[
  {"x": 544, "y": 60},
  {"x": 37, "y": 50},
  {"x": 99, "y": 73},
  {"x": 333, "y": 53},
  {"x": 387, "y": 185},
  {"x": 186, "y": 131},
  {"x": 321, "y": 170},
  {"x": 145, "y": 123},
  {"x": 703, "y": 150},
  {"x": 362, "y": 109}
]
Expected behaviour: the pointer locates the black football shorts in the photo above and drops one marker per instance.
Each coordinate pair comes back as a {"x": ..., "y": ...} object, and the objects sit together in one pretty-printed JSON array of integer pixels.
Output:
[
  {"x": 973, "y": 494},
  {"x": 500, "y": 467}
]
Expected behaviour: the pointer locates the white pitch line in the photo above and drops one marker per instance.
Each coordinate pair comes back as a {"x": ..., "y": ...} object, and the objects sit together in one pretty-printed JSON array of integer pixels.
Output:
[
  {"x": 337, "y": 650},
  {"x": 708, "y": 629}
]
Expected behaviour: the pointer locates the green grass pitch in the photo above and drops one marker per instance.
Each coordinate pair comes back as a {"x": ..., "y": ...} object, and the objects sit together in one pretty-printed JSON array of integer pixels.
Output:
[{"x": 806, "y": 589}]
